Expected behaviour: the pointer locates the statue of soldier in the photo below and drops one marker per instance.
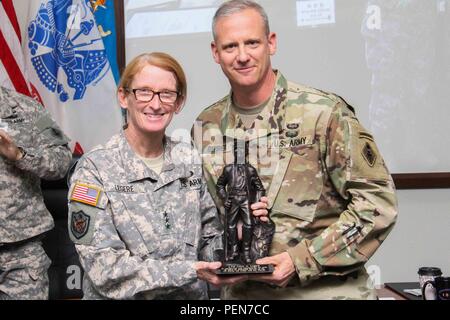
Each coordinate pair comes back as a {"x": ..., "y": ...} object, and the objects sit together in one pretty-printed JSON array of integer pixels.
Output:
[{"x": 239, "y": 186}]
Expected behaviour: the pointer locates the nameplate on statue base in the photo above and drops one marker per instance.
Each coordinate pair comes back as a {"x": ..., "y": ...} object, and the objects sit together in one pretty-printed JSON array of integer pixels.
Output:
[{"x": 233, "y": 269}]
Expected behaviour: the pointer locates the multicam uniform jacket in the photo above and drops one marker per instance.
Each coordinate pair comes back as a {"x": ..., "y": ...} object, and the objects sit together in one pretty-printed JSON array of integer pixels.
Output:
[
  {"x": 331, "y": 196},
  {"x": 138, "y": 234}
]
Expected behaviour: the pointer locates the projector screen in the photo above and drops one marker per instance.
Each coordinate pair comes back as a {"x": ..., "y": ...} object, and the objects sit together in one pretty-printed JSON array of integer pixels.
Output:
[{"x": 389, "y": 59}]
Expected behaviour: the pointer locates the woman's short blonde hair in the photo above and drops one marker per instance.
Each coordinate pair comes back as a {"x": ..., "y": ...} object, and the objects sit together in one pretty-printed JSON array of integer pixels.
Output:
[{"x": 158, "y": 59}]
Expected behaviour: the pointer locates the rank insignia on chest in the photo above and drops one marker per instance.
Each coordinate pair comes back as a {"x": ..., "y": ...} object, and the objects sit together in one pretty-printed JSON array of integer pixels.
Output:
[
  {"x": 369, "y": 155},
  {"x": 166, "y": 220},
  {"x": 85, "y": 194}
]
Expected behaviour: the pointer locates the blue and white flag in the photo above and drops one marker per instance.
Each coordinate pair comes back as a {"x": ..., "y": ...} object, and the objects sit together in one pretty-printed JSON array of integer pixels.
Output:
[{"x": 67, "y": 62}]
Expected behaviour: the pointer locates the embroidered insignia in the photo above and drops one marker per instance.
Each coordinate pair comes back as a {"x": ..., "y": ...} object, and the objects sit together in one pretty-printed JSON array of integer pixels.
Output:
[
  {"x": 166, "y": 220},
  {"x": 125, "y": 189},
  {"x": 291, "y": 134},
  {"x": 79, "y": 224},
  {"x": 292, "y": 126},
  {"x": 85, "y": 194},
  {"x": 369, "y": 155},
  {"x": 12, "y": 120},
  {"x": 191, "y": 183}
]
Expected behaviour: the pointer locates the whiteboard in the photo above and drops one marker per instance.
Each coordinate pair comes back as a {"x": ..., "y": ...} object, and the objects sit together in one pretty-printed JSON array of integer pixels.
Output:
[{"x": 389, "y": 59}]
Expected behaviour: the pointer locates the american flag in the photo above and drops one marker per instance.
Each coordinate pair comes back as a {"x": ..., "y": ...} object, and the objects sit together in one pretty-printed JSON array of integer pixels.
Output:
[
  {"x": 13, "y": 73},
  {"x": 85, "y": 194}
]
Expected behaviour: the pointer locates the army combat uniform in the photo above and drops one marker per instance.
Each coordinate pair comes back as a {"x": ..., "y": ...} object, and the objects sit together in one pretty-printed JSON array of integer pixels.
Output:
[
  {"x": 138, "y": 234},
  {"x": 23, "y": 215},
  {"x": 331, "y": 197}
]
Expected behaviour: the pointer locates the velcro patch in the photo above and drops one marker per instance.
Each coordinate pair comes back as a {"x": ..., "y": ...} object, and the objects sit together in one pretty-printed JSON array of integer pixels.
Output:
[
  {"x": 367, "y": 162},
  {"x": 86, "y": 194},
  {"x": 369, "y": 155},
  {"x": 191, "y": 183},
  {"x": 79, "y": 224}
]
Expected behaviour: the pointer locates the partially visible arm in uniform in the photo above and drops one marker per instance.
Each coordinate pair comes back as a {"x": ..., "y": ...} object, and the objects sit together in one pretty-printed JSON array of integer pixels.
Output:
[
  {"x": 212, "y": 231},
  {"x": 359, "y": 175},
  {"x": 114, "y": 271},
  {"x": 49, "y": 155}
]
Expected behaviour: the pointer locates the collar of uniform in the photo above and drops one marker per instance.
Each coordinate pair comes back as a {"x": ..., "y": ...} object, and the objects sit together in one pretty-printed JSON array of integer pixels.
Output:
[
  {"x": 266, "y": 122},
  {"x": 5, "y": 104},
  {"x": 170, "y": 172},
  {"x": 135, "y": 168}
]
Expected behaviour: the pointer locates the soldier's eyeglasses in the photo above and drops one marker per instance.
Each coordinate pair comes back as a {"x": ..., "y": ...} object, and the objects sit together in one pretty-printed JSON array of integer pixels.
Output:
[{"x": 146, "y": 95}]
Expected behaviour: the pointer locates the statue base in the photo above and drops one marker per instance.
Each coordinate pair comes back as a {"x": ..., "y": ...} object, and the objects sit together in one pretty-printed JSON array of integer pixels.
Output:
[{"x": 233, "y": 269}]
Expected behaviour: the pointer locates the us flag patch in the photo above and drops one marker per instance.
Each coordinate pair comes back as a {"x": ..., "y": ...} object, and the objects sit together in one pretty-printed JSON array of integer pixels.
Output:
[{"x": 85, "y": 194}]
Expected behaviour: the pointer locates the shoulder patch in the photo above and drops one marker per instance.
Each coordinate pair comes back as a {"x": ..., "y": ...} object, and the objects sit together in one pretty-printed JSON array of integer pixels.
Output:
[
  {"x": 86, "y": 194},
  {"x": 369, "y": 155},
  {"x": 366, "y": 161},
  {"x": 79, "y": 224}
]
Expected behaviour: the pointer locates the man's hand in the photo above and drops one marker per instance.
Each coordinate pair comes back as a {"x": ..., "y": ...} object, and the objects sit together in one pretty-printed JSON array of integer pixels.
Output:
[
  {"x": 283, "y": 272},
  {"x": 205, "y": 271},
  {"x": 8, "y": 148},
  {"x": 259, "y": 209}
]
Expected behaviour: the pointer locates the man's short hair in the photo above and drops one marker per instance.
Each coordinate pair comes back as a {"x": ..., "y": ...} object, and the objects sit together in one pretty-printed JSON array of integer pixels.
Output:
[{"x": 230, "y": 7}]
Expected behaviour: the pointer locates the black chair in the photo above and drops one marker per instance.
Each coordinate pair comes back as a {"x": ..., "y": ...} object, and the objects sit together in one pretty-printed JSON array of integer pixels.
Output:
[{"x": 65, "y": 272}]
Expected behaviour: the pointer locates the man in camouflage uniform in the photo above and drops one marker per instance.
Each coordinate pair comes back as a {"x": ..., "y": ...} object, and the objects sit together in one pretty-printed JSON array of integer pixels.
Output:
[
  {"x": 331, "y": 196},
  {"x": 31, "y": 147},
  {"x": 140, "y": 234}
]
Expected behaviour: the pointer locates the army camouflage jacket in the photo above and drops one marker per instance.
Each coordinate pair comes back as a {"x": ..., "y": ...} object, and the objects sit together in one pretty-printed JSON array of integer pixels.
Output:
[
  {"x": 138, "y": 234},
  {"x": 22, "y": 211},
  {"x": 331, "y": 196}
]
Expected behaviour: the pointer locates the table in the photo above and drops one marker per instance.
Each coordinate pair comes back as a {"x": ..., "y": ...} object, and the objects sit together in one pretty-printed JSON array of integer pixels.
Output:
[{"x": 394, "y": 291}]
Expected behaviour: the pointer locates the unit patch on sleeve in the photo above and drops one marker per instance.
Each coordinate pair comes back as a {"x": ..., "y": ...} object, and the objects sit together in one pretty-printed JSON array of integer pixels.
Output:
[
  {"x": 79, "y": 224},
  {"x": 369, "y": 155}
]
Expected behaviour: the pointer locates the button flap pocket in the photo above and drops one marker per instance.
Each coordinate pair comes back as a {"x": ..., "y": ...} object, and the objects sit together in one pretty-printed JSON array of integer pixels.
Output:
[{"x": 300, "y": 189}]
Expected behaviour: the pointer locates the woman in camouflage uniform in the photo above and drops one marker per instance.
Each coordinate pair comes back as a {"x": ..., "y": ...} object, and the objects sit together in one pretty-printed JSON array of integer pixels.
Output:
[{"x": 140, "y": 213}]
